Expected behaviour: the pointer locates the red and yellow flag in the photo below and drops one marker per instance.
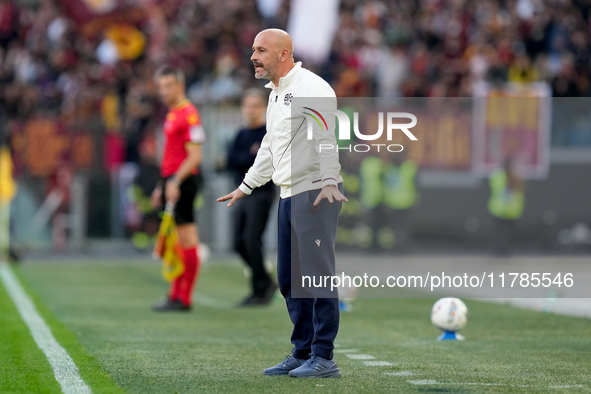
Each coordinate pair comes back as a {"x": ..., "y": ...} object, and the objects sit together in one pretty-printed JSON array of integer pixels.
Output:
[
  {"x": 168, "y": 247},
  {"x": 7, "y": 184}
]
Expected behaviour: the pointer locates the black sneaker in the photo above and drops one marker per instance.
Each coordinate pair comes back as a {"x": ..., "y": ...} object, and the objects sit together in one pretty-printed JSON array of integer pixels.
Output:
[
  {"x": 270, "y": 292},
  {"x": 259, "y": 300},
  {"x": 168, "y": 305},
  {"x": 252, "y": 300}
]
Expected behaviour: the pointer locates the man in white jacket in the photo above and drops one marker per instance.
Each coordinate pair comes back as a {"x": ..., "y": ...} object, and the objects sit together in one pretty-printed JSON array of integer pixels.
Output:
[{"x": 311, "y": 199}]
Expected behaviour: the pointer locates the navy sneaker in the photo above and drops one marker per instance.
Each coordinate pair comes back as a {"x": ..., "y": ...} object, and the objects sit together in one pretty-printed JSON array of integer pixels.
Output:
[
  {"x": 285, "y": 366},
  {"x": 317, "y": 367}
]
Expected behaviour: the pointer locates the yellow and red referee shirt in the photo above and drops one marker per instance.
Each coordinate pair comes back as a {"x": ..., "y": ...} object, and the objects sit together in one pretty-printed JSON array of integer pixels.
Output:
[{"x": 182, "y": 127}]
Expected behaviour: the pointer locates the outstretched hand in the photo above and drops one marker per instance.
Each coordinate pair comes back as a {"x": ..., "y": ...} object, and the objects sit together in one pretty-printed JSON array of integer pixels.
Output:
[
  {"x": 233, "y": 197},
  {"x": 331, "y": 193}
]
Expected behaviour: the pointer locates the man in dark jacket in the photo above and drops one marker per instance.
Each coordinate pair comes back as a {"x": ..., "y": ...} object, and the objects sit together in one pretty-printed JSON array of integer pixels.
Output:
[{"x": 251, "y": 214}]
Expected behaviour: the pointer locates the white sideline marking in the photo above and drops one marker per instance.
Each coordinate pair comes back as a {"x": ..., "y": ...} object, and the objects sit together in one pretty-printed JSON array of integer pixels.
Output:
[
  {"x": 424, "y": 381},
  {"x": 65, "y": 370},
  {"x": 400, "y": 373},
  {"x": 360, "y": 356},
  {"x": 378, "y": 364},
  {"x": 428, "y": 382},
  {"x": 566, "y": 386},
  {"x": 345, "y": 350}
]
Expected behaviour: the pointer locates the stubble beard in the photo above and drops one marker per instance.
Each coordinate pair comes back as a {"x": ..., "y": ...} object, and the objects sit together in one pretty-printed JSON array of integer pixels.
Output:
[
  {"x": 261, "y": 75},
  {"x": 267, "y": 73}
]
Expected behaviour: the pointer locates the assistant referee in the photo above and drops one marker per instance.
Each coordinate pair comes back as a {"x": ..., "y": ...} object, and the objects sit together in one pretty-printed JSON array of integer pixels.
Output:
[{"x": 180, "y": 182}]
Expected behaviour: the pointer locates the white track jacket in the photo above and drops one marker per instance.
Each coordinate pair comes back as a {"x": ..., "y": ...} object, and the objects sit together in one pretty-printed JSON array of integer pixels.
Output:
[{"x": 287, "y": 156}]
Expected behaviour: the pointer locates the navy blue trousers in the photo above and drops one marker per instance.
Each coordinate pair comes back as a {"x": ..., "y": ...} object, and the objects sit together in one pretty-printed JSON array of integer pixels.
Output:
[{"x": 307, "y": 247}]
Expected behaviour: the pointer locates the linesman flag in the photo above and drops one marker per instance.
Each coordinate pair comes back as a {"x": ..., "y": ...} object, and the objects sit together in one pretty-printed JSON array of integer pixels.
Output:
[
  {"x": 7, "y": 184},
  {"x": 168, "y": 247},
  {"x": 7, "y": 192}
]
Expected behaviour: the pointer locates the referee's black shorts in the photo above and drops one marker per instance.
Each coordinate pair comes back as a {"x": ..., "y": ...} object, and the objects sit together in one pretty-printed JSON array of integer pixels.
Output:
[{"x": 183, "y": 210}]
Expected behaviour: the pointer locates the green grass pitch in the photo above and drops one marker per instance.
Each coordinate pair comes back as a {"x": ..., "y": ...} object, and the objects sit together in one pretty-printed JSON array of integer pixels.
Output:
[{"x": 99, "y": 311}]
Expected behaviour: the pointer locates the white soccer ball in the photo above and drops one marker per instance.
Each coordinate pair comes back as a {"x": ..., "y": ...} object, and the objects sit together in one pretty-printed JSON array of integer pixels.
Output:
[{"x": 449, "y": 314}]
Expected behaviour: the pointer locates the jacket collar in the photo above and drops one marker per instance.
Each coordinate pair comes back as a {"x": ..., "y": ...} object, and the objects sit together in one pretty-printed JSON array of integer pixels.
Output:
[{"x": 283, "y": 81}]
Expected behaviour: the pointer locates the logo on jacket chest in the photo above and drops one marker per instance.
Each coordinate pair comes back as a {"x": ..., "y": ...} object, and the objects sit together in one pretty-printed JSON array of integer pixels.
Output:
[{"x": 287, "y": 99}]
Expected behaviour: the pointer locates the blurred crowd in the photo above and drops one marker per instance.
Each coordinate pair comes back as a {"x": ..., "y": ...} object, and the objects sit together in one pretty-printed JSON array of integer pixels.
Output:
[{"x": 432, "y": 48}]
